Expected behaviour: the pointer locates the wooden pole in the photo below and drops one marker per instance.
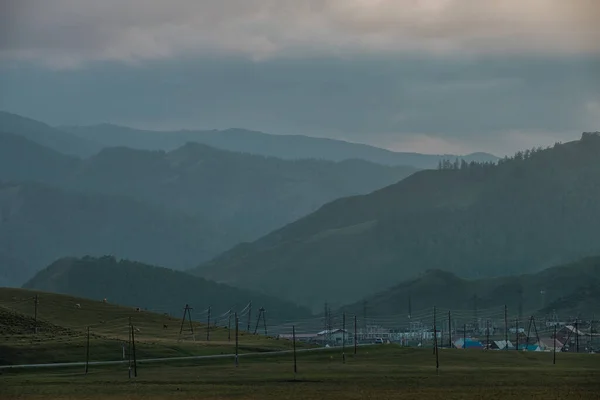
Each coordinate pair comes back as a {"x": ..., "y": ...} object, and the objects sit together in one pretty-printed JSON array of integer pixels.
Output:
[
  {"x": 208, "y": 326},
  {"x": 344, "y": 338},
  {"x": 434, "y": 332},
  {"x": 294, "y": 340},
  {"x": 505, "y": 327},
  {"x": 35, "y": 326},
  {"x": 237, "y": 323},
  {"x": 87, "y": 351},
  {"x": 554, "y": 352},
  {"x": 229, "y": 327},
  {"x": 449, "y": 330},
  {"x": 133, "y": 348},
  {"x": 355, "y": 337}
]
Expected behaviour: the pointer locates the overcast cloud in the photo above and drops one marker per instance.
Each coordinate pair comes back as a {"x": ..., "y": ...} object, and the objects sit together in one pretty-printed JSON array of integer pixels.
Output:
[{"x": 425, "y": 75}]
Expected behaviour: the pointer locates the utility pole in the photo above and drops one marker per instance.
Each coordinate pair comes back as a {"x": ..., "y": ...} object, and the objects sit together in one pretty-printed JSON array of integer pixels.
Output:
[
  {"x": 249, "y": 314},
  {"x": 261, "y": 313},
  {"x": 87, "y": 351},
  {"x": 344, "y": 338},
  {"x": 208, "y": 325},
  {"x": 465, "y": 336},
  {"x": 528, "y": 332},
  {"x": 577, "y": 334},
  {"x": 237, "y": 323},
  {"x": 449, "y": 330},
  {"x": 129, "y": 346},
  {"x": 294, "y": 340},
  {"x": 35, "y": 326},
  {"x": 434, "y": 332},
  {"x": 505, "y": 327},
  {"x": 554, "y": 343},
  {"x": 435, "y": 342},
  {"x": 187, "y": 311},
  {"x": 517, "y": 333},
  {"x": 325, "y": 324},
  {"x": 229, "y": 326},
  {"x": 355, "y": 338},
  {"x": 591, "y": 326},
  {"x": 487, "y": 334},
  {"x": 475, "y": 322},
  {"x": 133, "y": 348}
]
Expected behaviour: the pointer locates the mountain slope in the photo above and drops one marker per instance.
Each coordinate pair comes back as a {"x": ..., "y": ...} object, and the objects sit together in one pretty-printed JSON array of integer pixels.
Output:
[
  {"x": 253, "y": 142},
  {"x": 247, "y": 195},
  {"x": 45, "y": 135},
  {"x": 24, "y": 160},
  {"x": 536, "y": 210},
  {"x": 544, "y": 292},
  {"x": 39, "y": 224},
  {"x": 155, "y": 288}
]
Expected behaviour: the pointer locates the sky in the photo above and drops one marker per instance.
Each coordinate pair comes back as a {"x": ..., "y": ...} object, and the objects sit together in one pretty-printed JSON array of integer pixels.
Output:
[{"x": 433, "y": 76}]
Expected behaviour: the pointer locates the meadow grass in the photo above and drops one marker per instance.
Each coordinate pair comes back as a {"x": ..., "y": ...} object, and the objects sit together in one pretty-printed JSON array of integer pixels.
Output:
[{"x": 381, "y": 372}]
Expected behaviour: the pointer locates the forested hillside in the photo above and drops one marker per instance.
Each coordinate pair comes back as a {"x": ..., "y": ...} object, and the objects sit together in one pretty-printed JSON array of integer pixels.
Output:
[
  {"x": 530, "y": 212},
  {"x": 154, "y": 288},
  {"x": 247, "y": 195}
]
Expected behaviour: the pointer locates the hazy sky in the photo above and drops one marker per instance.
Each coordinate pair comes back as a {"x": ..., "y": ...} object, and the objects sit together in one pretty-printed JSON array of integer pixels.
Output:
[{"x": 421, "y": 75}]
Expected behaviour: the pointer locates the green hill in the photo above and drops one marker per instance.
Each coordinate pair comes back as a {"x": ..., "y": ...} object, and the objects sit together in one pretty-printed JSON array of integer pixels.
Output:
[
  {"x": 39, "y": 224},
  {"x": 62, "y": 322},
  {"x": 154, "y": 288},
  {"x": 568, "y": 290},
  {"x": 475, "y": 220}
]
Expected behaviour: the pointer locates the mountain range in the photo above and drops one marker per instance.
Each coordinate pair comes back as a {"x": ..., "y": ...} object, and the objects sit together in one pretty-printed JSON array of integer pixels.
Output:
[
  {"x": 291, "y": 147},
  {"x": 564, "y": 289},
  {"x": 153, "y": 288},
  {"x": 525, "y": 214},
  {"x": 192, "y": 202}
]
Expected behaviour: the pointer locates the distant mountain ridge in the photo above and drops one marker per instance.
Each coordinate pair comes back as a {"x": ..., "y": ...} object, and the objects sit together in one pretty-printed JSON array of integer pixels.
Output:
[
  {"x": 47, "y": 136},
  {"x": 155, "y": 288},
  {"x": 291, "y": 147},
  {"x": 528, "y": 213},
  {"x": 540, "y": 293}
]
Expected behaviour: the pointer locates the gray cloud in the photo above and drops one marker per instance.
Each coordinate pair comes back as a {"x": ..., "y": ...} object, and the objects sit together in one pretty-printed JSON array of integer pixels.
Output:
[
  {"x": 68, "y": 33},
  {"x": 422, "y": 103}
]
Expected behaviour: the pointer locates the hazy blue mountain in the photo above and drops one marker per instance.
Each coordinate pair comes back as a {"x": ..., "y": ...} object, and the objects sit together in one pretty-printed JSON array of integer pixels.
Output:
[
  {"x": 481, "y": 220},
  {"x": 242, "y": 140},
  {"x": 24, "y": 160},
  {"x": 247, "y": 195},
  {"x": 48, "y": 136},
  {"x": 538, "y": 293},
  {"x": 136, "y": 284},
  {"x": 39, "y": 224}
]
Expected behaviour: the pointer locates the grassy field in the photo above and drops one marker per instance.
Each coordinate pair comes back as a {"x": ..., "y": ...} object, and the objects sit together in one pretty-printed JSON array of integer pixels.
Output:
[
  {"x": 62, "y": 323},
  {"x": 382, "y": 372},
  {"x": 377, "y": 372}
]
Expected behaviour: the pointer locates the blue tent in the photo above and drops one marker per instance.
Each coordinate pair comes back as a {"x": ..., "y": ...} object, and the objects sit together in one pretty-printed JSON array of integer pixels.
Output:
[{"x": 469, "y": 344}]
